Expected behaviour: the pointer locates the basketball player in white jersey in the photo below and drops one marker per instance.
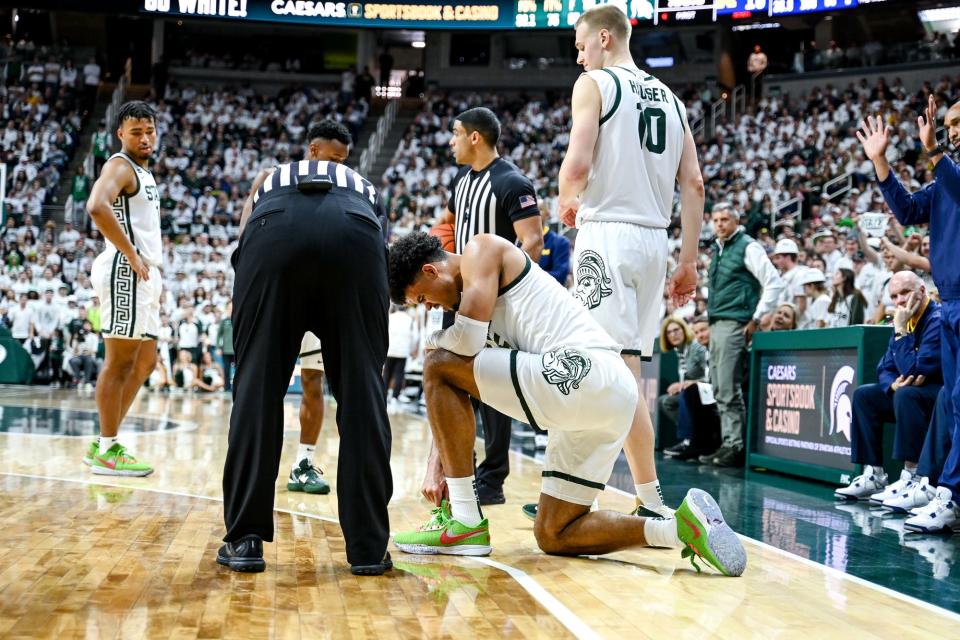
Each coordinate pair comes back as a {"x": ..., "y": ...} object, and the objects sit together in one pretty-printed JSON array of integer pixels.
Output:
[
  {"x": 552, "y": 365},
  {"x": 327, "y": 140},
  {"x": 630, "y": 145},
  {"x": 125, "y": 206}
]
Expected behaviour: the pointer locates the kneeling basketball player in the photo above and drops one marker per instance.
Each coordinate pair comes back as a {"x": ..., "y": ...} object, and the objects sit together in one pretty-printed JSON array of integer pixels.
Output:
[{"x": 552, "y": 366}]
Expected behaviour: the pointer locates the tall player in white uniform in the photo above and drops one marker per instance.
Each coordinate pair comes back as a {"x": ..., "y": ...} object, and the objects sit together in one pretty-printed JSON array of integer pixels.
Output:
[
  {"x": 125, "y": 206},
  {"x": 551, "y": 365},
  {"x": 327, "y": 140},
  {"x": 629, "y": 147}
]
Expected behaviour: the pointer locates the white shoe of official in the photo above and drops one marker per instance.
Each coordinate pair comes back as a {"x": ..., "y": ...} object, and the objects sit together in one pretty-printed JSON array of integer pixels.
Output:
[
  {"x": 919, "y": 495},
  {"x": 906, "y": 482},
  {"x": 872, "y": 480},
  {"x": 942, "y": 515}
]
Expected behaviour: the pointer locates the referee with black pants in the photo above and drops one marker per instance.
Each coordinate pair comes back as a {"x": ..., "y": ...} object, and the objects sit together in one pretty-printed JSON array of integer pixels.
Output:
[
  {"x": 311, "y": 258},
  {"x": 490, "y": 195}
]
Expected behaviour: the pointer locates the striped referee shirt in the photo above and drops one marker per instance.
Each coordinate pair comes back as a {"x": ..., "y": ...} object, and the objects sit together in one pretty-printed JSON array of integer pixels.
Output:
[
  {"x": 341, "y": 175},
  {"x": 490, "y": 201}
]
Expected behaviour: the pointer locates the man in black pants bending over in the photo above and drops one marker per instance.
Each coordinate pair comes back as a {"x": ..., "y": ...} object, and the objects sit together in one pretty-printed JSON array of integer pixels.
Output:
[{"x": 311, "y": 258}]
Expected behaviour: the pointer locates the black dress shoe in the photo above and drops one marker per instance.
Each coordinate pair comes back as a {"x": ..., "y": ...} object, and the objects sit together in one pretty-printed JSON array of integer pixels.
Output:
[
  {"x": 246, "y": 554},
  {"x": 678, "y": 449},
  {"x": 729, "y": 457},
  {"x": 488, "y": 494},
  {"x": 373, "y": 569},
  {"x": 689, "y": 454}
]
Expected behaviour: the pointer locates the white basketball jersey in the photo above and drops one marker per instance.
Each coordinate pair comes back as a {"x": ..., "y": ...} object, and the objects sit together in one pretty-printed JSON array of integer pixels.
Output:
[
  {"x": 535, "y": 314},
  {"x": 635, "y": 162},
  {"x": 139, "y": 215}
]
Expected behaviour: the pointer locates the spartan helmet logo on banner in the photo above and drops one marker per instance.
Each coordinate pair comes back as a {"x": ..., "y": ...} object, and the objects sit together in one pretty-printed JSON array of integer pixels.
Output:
[
  {"x": 593, "y": 284},
  {"x": 565, "y": 368},
  {"x": 841, "y": 409}
]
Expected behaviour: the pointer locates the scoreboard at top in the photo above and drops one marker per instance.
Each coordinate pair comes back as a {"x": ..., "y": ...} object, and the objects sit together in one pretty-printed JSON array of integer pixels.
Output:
[
  {"x": 540, "y": 14},
  {"x": 484, "y": 14}
]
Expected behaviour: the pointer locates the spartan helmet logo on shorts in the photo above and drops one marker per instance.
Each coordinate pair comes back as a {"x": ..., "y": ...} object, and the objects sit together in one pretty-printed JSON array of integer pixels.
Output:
[
  {"x": 841, "y": 409},
  {"x": 593, "y": 284},
  {"x": 565, "y": 368}
]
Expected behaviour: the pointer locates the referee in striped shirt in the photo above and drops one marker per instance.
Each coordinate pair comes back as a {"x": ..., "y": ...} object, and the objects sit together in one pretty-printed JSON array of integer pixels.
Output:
[
  {"x": 311, "y": 257},
  {"x": 490, "y": 195}
]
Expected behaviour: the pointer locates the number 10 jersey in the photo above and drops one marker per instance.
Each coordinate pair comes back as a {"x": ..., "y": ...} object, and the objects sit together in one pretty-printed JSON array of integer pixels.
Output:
[{"x": 635, "y": 161}]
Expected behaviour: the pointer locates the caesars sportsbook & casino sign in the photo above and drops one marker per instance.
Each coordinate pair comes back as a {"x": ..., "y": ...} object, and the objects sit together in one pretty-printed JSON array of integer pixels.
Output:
[
  {"x": 803, "y": 406},
  {"x": 469, "y": 15}
]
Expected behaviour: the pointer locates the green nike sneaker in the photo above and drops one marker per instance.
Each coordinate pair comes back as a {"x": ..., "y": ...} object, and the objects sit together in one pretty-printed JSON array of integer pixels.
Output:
[
  {"x": 444, "y": 535},
  {"x": 307, "y": 478},
  {"x": 92, "y": 452},
  {"x": 530, "y": 510},
  {"x": 701, "y": 527},
  {"x": 117, "y": 462}
]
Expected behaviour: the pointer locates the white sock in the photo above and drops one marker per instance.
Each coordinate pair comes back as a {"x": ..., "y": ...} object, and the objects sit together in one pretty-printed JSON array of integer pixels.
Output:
[
  {"x": 649, "y": 494},
  {"x": 661, "y": 533},
  {"x": 464, "y": 504},
  {"x": 305, "y": 452},
  {"x": 106, "y": 443}
]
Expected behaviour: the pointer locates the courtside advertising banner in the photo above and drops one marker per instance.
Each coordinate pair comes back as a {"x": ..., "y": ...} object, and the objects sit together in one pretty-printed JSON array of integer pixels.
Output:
[{"x": 803, "y": 406}]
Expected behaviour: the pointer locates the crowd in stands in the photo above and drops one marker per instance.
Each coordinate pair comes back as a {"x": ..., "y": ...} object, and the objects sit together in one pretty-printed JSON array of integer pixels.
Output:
[
  {"x": 42, "y": 109},
  {"x": 933, "y": 47}
]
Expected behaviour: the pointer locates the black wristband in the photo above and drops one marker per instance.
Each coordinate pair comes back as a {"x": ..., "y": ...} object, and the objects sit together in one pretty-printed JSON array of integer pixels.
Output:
[{"x": 937, "y": 150}]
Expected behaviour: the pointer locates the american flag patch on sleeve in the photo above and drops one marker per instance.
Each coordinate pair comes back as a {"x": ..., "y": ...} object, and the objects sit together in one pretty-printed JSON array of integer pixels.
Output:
[{"x": 527, "y": 201}]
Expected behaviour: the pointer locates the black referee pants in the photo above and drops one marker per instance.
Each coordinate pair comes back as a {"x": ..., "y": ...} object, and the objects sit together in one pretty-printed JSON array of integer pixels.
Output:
[
  {"x": 310, "y": 263},
  {"x": 496, "y": 437}
]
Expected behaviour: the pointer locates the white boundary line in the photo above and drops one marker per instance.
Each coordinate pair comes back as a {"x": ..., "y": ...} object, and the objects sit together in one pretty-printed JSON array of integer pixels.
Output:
[
  {"x": 567, "y": 618},
  {"x": 812, "y": 563}
]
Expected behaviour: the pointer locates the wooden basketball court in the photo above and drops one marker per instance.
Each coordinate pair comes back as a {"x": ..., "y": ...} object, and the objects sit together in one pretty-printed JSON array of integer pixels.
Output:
[{"x": 99, "y": 557}]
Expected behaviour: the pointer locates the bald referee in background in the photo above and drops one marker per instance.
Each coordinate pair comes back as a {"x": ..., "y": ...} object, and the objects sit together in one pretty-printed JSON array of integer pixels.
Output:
[
  {"x": 311, "y": 258},
  {"x": 489, "y": 195}
]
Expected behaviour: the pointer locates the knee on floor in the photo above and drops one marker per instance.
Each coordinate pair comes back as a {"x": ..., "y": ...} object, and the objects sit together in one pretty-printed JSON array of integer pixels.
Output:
[{"x": 549, "y": 539}]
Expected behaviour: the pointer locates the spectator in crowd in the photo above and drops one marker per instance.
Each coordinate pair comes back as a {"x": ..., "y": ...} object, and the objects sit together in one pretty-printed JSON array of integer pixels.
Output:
[
  {"x": 58, "y": 347},
  {"x": 101, "y": 147},
  {"x": 364, "y": 85},
  {"x": 784, "y": 318},
  {"x": 184, "y": 371},
  {"x": 91, "y": 84},
  {"x": 785, "y": 258},
  {"x": 817, "y": 300},
  {"x": 83, "y": 347},
  {"x": 224, "y": 344},
  {"x": 80, "y": 191},
  {"x": 188, "y": 335},
  {"x": 403, "y": 344},
  {"x": 756, "y": 65},
  {"x": 555, "y": 258},
  {"x": 909, "y": 379},
  {"x": 682, "y": 403},
  {"x": 744, "y": 285},
  {"x": 210, "y": 374},
  {"x": 159, "y": 380},
  {"x": 347, "y": 81},
  {"x": 22, "y": 320},
  {"x": 847, "y": 305}
]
